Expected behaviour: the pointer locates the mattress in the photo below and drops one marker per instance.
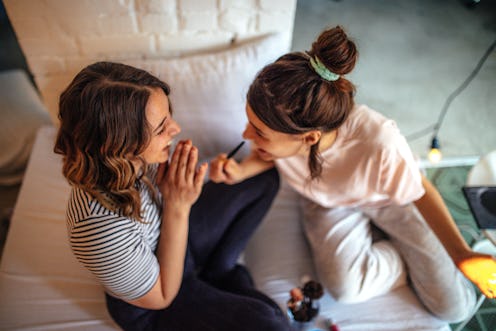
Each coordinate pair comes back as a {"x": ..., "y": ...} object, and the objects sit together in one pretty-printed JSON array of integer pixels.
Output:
[{"x": 42, "y": 286}]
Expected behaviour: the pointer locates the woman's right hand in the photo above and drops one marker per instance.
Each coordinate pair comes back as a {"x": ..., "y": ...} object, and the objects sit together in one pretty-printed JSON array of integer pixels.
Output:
[
  {"x": 179, "y": 181},
  {"x": 224, "y": 170}
]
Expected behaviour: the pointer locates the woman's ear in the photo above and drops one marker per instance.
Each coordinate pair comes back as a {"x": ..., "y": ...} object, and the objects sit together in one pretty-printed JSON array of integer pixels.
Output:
[{"x": 312, "y": 137}]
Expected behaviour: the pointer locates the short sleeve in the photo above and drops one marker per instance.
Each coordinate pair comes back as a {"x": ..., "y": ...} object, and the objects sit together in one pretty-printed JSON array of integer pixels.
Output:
[{"x": 112, "y": 247}]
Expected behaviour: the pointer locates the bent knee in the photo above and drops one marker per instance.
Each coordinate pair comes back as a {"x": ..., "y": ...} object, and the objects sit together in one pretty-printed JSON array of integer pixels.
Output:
[
  {"x": 454, "y": 312},
  {"x": 453, "y": 307}
]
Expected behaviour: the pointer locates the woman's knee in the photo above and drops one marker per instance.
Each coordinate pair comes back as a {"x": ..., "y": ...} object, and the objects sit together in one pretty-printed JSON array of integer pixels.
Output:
[{"x": 455, "y": 311}]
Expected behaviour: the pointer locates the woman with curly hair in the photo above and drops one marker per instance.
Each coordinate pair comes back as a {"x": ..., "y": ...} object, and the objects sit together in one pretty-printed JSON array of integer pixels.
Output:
[{"x": 163, "y": 244}]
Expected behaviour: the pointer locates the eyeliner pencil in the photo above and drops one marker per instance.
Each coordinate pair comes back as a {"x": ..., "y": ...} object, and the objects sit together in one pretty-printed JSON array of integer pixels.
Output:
[{"x": 235, "y": 150}]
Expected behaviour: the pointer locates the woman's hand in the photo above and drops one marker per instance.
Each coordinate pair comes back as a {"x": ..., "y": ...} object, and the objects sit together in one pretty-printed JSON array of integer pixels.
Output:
[
  {"x": 179, "y": 181},
  {"x": 481, "y": 270},
  {"x": 224, "y": 170}
]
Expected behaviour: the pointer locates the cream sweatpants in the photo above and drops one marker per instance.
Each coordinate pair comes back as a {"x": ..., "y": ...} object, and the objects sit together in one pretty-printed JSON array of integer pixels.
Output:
[{"x": 354, "y": 266}]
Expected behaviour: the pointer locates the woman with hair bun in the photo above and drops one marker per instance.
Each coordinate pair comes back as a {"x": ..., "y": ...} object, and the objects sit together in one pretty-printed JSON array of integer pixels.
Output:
[{"x": 371, "y": 218}]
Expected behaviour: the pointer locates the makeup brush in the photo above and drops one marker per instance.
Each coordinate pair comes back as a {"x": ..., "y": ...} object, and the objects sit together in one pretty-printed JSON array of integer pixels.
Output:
[{"x": 235, "y": 150}]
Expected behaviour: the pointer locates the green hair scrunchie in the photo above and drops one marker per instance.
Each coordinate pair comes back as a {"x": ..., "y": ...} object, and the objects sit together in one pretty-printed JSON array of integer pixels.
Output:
[{"x": 322, "y": 70}]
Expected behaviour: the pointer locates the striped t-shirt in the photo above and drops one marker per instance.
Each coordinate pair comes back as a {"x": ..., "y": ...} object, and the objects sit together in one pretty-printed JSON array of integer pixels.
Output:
[{"x": 119, "y": 251}]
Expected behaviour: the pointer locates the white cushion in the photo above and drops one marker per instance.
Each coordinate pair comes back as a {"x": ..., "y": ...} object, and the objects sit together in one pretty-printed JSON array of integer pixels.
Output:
[
  {"x": 22, "y": 113},
  {"x": 208, "y": 90}
]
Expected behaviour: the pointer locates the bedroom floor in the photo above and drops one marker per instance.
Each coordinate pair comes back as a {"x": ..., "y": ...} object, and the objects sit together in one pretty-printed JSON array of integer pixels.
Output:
[{"x": 412, "y": 56}]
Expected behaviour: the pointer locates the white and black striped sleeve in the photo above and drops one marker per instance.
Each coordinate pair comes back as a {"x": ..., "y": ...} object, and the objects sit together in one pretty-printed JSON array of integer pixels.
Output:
[{"x": 116, "y": 249}]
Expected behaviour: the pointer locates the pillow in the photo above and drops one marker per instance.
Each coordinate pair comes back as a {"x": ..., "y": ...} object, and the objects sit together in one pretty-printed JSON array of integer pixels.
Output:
[
  {"x": 208, "y": 91},
  {"x": 22, "y": 113}
]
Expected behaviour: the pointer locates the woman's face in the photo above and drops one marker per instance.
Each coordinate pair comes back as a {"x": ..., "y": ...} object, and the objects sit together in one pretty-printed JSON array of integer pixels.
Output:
[
  {"x": 270, "y": 144},
  {"x": 163, "y": 127}
]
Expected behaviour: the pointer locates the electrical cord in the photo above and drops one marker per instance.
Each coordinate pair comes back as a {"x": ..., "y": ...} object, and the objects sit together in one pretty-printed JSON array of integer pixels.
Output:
[{"x": 436, "y": 126}]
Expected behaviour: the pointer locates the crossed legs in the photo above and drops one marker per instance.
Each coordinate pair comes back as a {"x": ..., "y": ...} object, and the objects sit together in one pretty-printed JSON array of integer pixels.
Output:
[{"x": 354, "y": 267}]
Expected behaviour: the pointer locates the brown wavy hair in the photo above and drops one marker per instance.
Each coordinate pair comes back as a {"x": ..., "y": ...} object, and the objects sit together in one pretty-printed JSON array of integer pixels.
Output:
[
  {"x": 103, "y": 127},
  {"x": 290, "y": 97}
]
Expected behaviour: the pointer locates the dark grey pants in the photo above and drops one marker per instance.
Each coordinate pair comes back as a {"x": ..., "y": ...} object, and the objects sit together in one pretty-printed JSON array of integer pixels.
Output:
[{"x": 216, "y": 294}]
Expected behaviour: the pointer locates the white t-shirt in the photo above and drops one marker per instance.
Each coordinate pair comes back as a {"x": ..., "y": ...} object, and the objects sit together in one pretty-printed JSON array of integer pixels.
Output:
[{"x": 369, "y": 165}]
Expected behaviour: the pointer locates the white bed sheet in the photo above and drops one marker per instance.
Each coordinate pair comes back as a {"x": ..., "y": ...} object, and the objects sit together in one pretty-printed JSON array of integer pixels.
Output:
[{"x": 42, "y": 286}]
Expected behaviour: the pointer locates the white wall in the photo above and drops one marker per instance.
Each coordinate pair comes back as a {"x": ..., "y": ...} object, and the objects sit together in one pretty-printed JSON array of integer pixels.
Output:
[{"x": 60, "y": 37}]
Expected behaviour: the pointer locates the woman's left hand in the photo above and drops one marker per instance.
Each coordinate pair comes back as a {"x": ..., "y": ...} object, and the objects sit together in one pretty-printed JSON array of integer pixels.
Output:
[{"x": 481, "y": 270}]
